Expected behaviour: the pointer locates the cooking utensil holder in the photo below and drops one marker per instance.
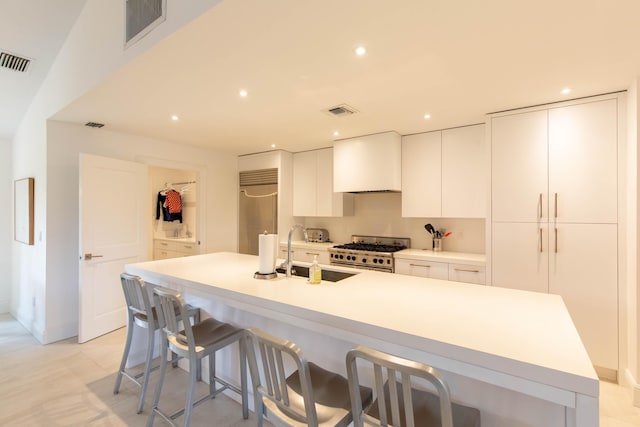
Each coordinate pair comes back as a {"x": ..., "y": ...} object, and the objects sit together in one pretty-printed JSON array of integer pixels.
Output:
[{"x": 437, "y": 245}]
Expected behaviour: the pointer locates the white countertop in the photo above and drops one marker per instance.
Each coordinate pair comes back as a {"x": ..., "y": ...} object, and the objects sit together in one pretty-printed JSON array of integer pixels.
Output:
[
  {"x": 418, "y": 254},
  {"x": 525, "y": 335},
  {"x": 444, "y": 256}
]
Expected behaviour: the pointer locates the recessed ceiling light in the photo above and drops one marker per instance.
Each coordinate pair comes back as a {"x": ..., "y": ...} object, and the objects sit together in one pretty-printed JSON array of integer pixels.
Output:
[
  {"x": 273, "y": 145},
  {"x": 361, "y": 50},
  {"x": 174, "y": 118},
  {"x": 565, "y": 91},
  {"x": 243, "y": 93},
  {"x": 336, "y": 133},
  {"x": 427, "y": 116}
]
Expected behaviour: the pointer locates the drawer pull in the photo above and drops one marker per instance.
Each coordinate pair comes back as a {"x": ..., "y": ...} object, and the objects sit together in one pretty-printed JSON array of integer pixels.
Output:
[
  {"x": 313, "y": 253},
  {"x": 188, "y": 247},
  {"x": 419, "y": 265},
  {"x": 467, "y": 270},
  {"x": 164, "y": 244}
]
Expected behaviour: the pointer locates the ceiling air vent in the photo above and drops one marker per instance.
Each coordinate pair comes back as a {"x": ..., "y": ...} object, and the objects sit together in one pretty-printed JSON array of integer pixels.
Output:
[
  {"x": 341, "y": 110},
  {"x": 14, "y": 62},
  {"x": 94, "y": 125},
  {"x": 142, "y": 17}
]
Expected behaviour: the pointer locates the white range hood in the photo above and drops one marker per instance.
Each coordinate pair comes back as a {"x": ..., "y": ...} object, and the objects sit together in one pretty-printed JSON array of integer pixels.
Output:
[{"x": 370, "y": 163}]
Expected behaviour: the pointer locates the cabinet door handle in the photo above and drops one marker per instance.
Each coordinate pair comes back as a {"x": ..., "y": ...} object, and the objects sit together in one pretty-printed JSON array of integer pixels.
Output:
[
  {"x": 556, "y": 240},
  {"x": 419, "y": 265},
  {"x": 188, "y": 246},
  {"x": 540, "y": 206},
  {"x": 555, "y": 205},
  {"x": 164, "y": 244},
  {"x": 467, "y": 270},
  {"x": 313, "y": 253},
  {"x": 540, "y": 239}
]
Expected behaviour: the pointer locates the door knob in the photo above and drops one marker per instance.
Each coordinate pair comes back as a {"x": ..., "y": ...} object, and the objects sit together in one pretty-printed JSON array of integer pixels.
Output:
[{"x": 89, "y": 256}]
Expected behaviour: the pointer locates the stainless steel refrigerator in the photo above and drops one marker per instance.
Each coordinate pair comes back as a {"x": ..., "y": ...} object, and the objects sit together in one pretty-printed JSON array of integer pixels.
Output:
[{"x": 258, "y": 211}]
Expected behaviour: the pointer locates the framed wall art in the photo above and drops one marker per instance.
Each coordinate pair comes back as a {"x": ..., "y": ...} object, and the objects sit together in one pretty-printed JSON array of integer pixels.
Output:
[{"x": 23, "y": 210}]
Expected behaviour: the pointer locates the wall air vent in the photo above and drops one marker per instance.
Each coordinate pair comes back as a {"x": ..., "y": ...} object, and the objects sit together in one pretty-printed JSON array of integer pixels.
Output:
[
  {"x": 341, "y": 110},
  {"x": 142, "y": 17},
  {"x": 259, "y": 177},
  {"x": 14, "y": 62},
  {"x": 94, "y": 125}
]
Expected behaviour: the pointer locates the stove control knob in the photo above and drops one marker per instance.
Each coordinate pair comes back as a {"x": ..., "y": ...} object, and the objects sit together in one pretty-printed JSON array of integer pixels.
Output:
[
  {"x": 364, "y": 260},
  {"x": 375, "y": 260}
]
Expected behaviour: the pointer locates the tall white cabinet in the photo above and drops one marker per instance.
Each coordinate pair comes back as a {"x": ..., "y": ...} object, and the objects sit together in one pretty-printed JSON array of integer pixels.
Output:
[{"x": 554, "y": 213}]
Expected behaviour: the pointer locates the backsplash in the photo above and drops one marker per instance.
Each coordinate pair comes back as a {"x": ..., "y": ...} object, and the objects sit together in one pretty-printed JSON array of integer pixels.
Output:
[{"x": 379, "y": 214}]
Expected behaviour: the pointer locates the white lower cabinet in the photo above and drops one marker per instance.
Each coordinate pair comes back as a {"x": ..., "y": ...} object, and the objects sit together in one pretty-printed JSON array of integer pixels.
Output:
[
  {"x": 305, "y": 254},
  {"x": 421, "y": 268},
  {"x": 441, "y": 270},
  {"x": 576, "y": 261},
  {"x": 519, "y": 256},
  {"x": 467, "y": 273},
  {"x": 165, "y": 249},
  {"x": 583, "y": 270}
]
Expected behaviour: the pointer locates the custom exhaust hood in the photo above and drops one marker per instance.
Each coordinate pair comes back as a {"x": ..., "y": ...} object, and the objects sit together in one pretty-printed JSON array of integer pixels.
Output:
[{"x": 370, "y": 163}]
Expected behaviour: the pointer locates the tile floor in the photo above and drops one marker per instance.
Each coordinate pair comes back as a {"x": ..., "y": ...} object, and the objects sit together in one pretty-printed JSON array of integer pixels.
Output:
[{"x": 67, "y": 384}]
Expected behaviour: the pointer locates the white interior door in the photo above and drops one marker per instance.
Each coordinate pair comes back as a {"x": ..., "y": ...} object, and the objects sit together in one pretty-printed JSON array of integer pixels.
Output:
[{"x": 114, "y": 212}]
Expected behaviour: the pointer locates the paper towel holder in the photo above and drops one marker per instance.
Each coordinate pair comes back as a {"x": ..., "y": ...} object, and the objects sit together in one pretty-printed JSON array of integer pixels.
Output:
[{"x": 265, "y": 276}]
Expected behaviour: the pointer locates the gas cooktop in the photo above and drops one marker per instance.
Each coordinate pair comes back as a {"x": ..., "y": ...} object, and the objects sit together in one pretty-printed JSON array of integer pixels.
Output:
[{"x": 369, "y": 252}]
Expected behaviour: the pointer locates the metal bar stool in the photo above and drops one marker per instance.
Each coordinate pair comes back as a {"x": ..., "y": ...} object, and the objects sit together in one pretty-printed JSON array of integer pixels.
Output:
[
  {"x": 310, "y": 396},
  {"x": 194, "y": 342},
  {"x": 139, "y": 306},
  {"x": 399, "y": 404}
]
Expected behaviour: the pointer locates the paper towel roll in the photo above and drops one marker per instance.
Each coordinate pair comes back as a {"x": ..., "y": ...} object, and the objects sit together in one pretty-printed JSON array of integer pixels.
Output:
[{"x": 267, "y": 250}]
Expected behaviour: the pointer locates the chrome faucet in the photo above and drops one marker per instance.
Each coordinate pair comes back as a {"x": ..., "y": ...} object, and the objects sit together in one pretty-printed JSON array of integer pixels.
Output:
[{"x": 288, "y": 262}]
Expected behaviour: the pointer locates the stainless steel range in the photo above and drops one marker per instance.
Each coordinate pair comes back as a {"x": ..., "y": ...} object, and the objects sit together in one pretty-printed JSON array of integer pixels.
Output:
[{"x": 369, "y": 252}]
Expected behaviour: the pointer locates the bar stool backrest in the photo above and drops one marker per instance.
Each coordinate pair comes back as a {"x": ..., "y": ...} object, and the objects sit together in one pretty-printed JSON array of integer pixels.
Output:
[
  {"x": 271, "y": 385},
  {"x": 137, "y": 299},
  {"x": 179, "y": 334},
  {"x": 392, "y": 376}
]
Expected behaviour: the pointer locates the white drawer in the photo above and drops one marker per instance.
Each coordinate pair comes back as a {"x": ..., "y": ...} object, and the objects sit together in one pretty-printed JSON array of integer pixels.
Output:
[
  {"x": 430, "y": 269},
  {"x": 467, "y": 273},
  {"x": 163, "y": 249},
  {"x": 305, "y": 254}
]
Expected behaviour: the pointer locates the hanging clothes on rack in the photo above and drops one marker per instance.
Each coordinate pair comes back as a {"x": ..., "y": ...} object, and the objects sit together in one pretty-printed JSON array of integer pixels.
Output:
[
  {"x": 173, "y": 202},
  {"x": 169, "y": 205}
]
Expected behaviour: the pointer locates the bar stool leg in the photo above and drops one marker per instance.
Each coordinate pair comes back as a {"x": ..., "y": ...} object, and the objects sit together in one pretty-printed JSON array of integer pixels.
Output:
[
  {"x": 125, "y": 355},
  {"x": 145, "y": 381},
  {"x": 163, "y": 370},
  {"x": 191, "y": 392},
  {"x": 243, "y": 377}
]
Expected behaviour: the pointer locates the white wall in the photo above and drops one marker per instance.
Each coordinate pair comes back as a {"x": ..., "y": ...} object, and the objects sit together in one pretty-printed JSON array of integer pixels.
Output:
[
  {"x": 631, "y": 298},
  {"x": 93, "y": 50},
  {"x": 6, "y": 226},
  {"x": 379, "y": 214},
  {"x": 218, "y": 181}
]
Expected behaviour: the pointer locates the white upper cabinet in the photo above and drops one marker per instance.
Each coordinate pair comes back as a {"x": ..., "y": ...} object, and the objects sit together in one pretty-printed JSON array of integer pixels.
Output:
[
  {"x": 444, "y": 173},
  {"x": 519, "y": 167},
  {"x": 464, "y": 179},
  {"x": 313, "y": 186},
  {"x": 421, "y": 175},
  {"x": 583, "y": 163}
]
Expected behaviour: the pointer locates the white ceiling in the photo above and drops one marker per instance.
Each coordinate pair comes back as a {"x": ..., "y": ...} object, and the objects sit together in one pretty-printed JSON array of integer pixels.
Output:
[
  {"x": 456, "y": 59},
  {"x": 35, "y": 29}
]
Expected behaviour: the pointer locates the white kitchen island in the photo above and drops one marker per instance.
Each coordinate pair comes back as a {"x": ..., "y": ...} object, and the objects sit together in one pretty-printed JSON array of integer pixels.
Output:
[{"x": 514, "y": 355}]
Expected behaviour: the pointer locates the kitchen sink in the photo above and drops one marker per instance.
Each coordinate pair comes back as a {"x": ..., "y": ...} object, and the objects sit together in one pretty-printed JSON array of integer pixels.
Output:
[{"x": 328, "y": 275}]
